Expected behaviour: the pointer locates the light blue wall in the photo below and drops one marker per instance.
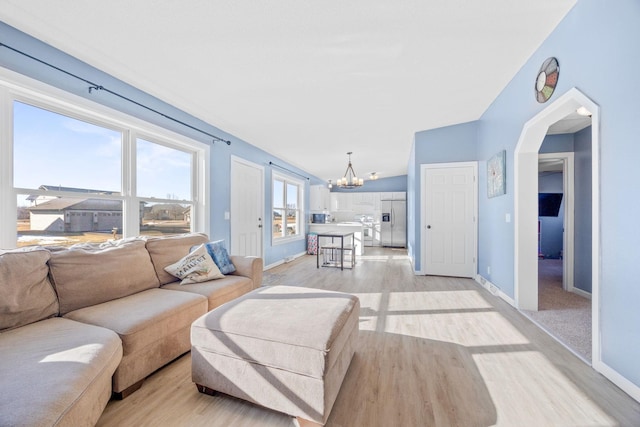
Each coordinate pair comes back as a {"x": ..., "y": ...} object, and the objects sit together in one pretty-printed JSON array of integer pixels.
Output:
[
  {"x": 597, "y": 48},
  {"x": 582, "y": 207},
  {"x": 455, "y": 143},
  {"x": 220, "y": 153},
  {"x": 557, "y": 143}
]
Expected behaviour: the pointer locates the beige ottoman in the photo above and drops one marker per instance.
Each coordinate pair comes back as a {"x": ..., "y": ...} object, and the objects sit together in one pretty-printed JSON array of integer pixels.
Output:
[{"x": 283, "y": 347}]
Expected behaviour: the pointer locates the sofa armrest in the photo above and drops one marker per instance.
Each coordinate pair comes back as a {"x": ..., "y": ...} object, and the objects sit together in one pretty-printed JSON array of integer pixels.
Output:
[{"x": 250, "y": 267}]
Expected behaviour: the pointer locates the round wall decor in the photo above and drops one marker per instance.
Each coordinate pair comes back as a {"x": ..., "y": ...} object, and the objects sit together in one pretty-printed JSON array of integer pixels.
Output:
[{"x": 547, "y": 79}]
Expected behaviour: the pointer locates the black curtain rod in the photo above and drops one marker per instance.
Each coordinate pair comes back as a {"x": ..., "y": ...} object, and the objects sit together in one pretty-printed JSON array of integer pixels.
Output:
[
  {"x": 94, "y": 86},
  {"x": 289, "y": 170}
]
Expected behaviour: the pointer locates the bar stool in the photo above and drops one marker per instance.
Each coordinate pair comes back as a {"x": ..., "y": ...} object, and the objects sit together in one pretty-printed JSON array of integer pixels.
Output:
[{"x": 333, "y": 255}]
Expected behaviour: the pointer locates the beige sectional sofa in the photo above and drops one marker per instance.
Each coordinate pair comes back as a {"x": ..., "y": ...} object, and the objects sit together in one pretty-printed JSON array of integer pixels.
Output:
[{"x": 80, "y": 324}]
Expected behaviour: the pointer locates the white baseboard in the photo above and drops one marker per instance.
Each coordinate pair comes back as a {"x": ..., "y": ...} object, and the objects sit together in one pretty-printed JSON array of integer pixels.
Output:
[
  {"x": 494, "y": 290},
  {"x": 582, "y": 293},
  {"x": 627, "y": 386},
  {"x": 283, "y": 261}
]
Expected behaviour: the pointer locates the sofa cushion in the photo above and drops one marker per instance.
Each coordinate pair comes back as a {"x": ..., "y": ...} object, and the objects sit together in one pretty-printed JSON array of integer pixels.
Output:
[
  {"x": 167, "y": 250},
  {"x": 56, "y": 372},
  {"x": 195, "y": 267},
  {"x": 90, "y": 274},
  {"x": 26, "y": 295},
  {"x": 144, "y": 318},
  {"x": 217, "y": 291}
]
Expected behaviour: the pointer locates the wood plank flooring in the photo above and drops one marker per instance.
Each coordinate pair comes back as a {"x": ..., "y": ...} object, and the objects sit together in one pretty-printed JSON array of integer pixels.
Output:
[{"x": 433, "y": 351}]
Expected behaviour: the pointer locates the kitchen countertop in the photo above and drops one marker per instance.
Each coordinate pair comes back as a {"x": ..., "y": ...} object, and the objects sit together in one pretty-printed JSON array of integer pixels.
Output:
[{"x": 355, "y": 227}]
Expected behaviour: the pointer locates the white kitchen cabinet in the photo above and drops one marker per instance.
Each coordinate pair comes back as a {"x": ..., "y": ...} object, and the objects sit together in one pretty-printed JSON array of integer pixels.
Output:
[
  {"x": 341, "y": 202},
  {"x": 319, "y": 200},
  {"x": 393, "y": 195},
  {"x": 364, "y": 200}
]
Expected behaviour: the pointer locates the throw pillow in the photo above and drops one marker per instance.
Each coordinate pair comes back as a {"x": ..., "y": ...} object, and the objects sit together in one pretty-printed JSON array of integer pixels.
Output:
[
  {"x": 220, "y": 256},
  {"x": 197, "y": 266}
]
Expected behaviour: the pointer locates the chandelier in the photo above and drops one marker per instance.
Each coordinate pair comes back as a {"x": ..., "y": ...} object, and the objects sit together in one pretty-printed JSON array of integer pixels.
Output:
[{"x": 350, "y": 179}]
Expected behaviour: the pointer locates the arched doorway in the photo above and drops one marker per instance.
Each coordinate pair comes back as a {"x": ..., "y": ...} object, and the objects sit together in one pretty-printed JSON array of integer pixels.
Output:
[{"x": 526, "y": 200}]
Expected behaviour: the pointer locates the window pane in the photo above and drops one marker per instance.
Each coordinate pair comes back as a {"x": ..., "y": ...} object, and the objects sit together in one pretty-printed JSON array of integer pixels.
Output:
[
  {"x": 278, "y": 223},
  {"x": 163, "y": 172},
  {"x": 64, "y": 221},
  {"x": 286, "y": 208},
  {"x": 292, "y": 223},
  {"x": 292, "y": 196},
  {"x": 278, "y": 193},
  {"x": 56, "y": 151},
  {"x": 165, "y": 218}
]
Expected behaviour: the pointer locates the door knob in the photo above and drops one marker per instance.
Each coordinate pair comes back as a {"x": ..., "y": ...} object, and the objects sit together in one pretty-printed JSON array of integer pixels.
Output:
[{"x": 428, "y": 226}]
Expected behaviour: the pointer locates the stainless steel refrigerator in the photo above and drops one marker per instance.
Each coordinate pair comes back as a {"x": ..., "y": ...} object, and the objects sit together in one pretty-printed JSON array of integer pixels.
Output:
[{"x": 393, "y": 227}]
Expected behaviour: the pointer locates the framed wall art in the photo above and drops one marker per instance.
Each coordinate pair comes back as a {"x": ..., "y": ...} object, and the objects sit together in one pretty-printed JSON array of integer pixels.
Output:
[{"x": 496, "y": 185}]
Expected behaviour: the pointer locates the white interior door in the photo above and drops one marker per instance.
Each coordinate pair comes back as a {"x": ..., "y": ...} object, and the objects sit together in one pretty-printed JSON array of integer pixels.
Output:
[
  {"x": 247, "y": 208},
  {"x": 449, "y": 227}
]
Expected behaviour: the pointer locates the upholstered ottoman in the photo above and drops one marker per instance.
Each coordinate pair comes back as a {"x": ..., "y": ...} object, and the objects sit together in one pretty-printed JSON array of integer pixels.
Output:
[{"x": 285, "y": 348}]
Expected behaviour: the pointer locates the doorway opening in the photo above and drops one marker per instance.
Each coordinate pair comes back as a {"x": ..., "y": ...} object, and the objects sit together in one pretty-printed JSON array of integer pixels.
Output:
[
  {"x": 564, "y": 298},
  {"x": 526, "y": 207}
]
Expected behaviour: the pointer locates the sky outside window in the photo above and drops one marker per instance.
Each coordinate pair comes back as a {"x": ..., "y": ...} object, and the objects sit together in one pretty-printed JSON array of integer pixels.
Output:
[
  {"x": 163, "y": 172},
  {"x": 56, "y": 150}
]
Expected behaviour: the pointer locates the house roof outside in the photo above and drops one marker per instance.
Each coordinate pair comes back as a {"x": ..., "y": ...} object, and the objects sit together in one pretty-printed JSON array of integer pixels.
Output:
[
  {"x": 33, "y": 197},
  {"x": 71, "y": 203}
]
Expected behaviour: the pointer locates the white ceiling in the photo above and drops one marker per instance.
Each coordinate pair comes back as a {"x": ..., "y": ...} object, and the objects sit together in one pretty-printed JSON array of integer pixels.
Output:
[
  {"x": 573, "y": 123},
  {"x": 307, "y": 81}
]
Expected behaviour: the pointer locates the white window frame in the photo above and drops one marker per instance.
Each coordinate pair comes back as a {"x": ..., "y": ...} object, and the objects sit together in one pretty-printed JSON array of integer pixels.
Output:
[
  {"x": 301, "y": 212},
  {"x": 16, "y": 87}
]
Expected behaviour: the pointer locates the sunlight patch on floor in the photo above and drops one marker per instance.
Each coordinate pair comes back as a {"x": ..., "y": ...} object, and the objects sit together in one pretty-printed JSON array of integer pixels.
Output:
[
  {"x": 467, "y": 329},
  {"x": 369, "y": 309},
  {"x": 520, "y": 384},
  {"x": 438, "y": 300},
  {"x": 373, "y": 258}
]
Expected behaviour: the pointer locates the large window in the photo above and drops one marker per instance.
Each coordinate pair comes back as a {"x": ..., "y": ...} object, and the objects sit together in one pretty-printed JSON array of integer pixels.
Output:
[
  {"x": 79, "y": 174},
  {"x": 287, "y": 208}
]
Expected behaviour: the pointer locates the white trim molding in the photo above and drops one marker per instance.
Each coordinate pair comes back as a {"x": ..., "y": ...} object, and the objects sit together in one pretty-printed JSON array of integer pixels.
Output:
[
  {"x": 525, "y": 214},
  {"x": 494, "y": 290}
]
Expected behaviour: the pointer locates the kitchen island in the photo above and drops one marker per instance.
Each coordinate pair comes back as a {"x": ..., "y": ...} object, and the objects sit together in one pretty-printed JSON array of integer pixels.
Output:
[{"x": 341, "y": 227}]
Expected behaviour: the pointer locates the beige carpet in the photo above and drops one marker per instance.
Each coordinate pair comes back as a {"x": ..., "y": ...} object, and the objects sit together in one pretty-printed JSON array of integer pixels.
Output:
[{"x": 565, "y": 315}]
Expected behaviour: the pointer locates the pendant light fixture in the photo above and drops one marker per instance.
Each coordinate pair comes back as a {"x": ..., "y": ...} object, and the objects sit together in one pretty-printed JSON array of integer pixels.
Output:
[{"x": 350, "y": 179}]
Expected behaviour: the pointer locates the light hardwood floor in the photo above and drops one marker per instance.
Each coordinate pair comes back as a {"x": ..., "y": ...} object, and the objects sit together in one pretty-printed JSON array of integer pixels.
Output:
[{"x": 433, "y": 351}]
